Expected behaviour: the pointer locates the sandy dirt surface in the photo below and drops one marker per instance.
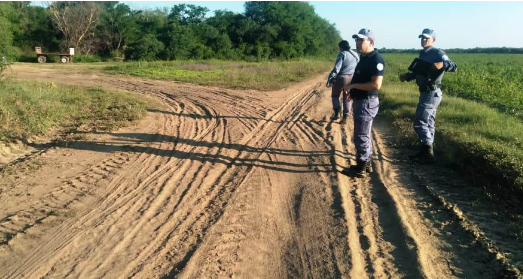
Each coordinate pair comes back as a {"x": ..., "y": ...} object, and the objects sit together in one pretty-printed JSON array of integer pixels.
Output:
[{"x": 219, "y": 183}]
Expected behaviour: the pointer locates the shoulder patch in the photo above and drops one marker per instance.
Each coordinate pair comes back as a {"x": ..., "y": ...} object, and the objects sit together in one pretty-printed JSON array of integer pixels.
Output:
[{"x": 379, "y": 67}]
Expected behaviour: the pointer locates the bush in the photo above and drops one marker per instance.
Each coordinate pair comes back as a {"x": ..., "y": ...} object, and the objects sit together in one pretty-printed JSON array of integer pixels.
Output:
[
  {"x": 117, "y": 55},
  {"x": 29, "y": 58},
  {"x": 3, "y": 65},
  {"x": 147, "y": 48},
  {"x": 87, "y": 58}
]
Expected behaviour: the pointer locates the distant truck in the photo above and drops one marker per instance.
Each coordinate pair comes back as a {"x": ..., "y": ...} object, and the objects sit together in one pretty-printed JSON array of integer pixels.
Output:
[{"x": 64, "y": 57}]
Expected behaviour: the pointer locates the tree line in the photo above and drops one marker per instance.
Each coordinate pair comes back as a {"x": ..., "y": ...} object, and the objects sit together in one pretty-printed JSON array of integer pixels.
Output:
[{"x": 265, "y": 30}]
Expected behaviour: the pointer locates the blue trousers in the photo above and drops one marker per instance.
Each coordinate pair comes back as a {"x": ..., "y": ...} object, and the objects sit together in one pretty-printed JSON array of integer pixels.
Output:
[
  {"x": 364, "y": 111},
  {"x": 337, "y": 89},
  {"x": 425, "y": 119}
]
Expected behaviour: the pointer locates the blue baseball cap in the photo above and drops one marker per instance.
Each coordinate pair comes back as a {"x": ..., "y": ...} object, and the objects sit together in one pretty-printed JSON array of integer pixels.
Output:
[
  {"x": 364, "y": 34},
  {"x": 426, "y": 33}
]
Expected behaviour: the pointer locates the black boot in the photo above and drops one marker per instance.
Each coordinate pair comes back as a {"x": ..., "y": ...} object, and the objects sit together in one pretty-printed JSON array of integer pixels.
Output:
[
  {"x": 336, "y": 114},
  {"x": 369, "y": 168},
  {"x": 424, "y": 156},
  {"x": 358, "y": 170}
]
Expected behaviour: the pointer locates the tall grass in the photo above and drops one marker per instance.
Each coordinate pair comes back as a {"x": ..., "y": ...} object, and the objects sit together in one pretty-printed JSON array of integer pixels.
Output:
[
  {"x": 472, "y": 133},
  {"x": 239, "y": 75},
  {"x": 31, "y": 108}
]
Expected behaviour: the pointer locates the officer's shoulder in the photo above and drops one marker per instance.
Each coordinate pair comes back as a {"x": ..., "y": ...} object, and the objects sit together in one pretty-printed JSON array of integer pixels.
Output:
[
  {"x": 439, "y": 51},
  {"x": 378, "y": 57},
  {"x": 442, "y": 54}
]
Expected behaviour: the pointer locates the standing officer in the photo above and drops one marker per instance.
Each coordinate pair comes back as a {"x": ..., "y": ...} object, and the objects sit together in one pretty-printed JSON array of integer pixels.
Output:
[
  {"x": 340, "y": 76},
  {"x": 430, "y": 94},
  {"x": 364, "y": 87}
]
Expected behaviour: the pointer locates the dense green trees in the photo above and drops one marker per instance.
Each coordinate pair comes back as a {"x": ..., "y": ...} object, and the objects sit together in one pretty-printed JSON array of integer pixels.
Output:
[
  {"x": 110, "y": 29},
  {"x": 8, "y": 16}
]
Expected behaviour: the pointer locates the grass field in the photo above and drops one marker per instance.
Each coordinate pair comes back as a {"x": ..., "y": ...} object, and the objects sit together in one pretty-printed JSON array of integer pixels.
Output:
[
  {"x": 479, "y": 125},
  {"x": 239, "y": 75},
  {"x": 493, "y": 79},
  {"x": 31, "y": 108}
]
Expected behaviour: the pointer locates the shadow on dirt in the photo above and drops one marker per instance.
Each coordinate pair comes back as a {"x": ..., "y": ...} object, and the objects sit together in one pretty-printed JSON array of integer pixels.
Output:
[{"x": 185, "y": 149}]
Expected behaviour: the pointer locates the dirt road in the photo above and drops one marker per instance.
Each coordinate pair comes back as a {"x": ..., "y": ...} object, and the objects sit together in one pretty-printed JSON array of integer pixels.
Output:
[{"x": 219, "y": 183}]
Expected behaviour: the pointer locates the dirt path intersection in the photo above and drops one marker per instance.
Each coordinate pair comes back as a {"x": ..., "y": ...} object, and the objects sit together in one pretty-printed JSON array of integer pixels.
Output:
[{"x": 221, "y": 183}]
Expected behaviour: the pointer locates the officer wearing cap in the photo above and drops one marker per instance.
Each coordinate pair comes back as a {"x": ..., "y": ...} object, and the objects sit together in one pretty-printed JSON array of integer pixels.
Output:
[
  {"x": 430, "y": 94},
  {"x": 340, "y": 76},
  {"x": 367, "y": 80}
]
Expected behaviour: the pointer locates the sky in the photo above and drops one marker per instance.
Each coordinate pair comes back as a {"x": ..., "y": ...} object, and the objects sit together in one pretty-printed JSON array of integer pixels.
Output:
[{"x": 395, "y": 24}]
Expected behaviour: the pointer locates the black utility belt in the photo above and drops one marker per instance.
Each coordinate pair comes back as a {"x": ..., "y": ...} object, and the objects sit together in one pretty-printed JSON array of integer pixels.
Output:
[
  {"x": 370, "y": 97},
  {"x": 429, "y": 87}
]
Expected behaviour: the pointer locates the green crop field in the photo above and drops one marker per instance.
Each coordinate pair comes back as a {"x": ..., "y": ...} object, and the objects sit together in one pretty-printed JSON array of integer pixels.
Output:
[
  {"x": 493, "y": 79},
  {"x": 479, "y": 122}
]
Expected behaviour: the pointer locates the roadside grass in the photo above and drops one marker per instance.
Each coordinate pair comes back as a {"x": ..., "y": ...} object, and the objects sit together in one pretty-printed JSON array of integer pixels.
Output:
[
  {"x": 227, "y": 74},
  {"x": 479, "y": 125},
  {"x": 87, "y": 59},
  {"x": 30, "y": 108},
  {"x": 493, "y": 79},
  {"x": 484, "y": 143}
]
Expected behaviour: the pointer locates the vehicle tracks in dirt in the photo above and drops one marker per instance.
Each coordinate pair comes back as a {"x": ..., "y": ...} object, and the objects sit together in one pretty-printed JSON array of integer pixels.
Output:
[{"x": 228, "y": 183}]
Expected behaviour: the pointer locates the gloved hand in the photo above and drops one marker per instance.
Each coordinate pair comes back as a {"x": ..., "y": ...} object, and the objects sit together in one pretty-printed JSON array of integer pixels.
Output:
[{"x": 330, "y": 81}]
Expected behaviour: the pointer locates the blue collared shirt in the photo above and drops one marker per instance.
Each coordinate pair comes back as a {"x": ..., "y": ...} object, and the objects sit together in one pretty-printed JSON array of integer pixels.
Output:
[{"x": 345, "y": 63}]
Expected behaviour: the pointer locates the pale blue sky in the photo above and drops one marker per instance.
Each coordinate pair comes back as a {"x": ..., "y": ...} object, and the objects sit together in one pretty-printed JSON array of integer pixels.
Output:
[{"x": 398, "y": 24}]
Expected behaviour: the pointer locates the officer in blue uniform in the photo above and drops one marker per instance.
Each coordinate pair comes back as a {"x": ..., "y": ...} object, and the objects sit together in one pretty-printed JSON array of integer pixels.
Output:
[
  {"x": 430, "y": 94},
  {"x": 366, "y": 82},
  {"x": 340, "y": 76}
]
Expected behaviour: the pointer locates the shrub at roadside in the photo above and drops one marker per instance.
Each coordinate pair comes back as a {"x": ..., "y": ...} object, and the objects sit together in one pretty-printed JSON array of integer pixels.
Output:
[{"x": 87, "y": 59}]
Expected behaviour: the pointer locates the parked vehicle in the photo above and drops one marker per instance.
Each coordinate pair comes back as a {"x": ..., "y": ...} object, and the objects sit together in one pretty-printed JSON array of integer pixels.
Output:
[{"x": 64, "y": 57}]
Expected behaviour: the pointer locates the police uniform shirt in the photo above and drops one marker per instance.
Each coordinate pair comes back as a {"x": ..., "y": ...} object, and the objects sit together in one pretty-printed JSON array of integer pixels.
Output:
[
  {"x": 345, "y": 63},
  {"x": 434, "y": 55},
  {"x": 370, "y": 65}
]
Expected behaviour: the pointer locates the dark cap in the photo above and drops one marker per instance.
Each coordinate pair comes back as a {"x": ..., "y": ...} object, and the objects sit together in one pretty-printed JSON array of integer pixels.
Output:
[
  {"x": 364, "y": 34},
  {"x": 426, "y": 33}
]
